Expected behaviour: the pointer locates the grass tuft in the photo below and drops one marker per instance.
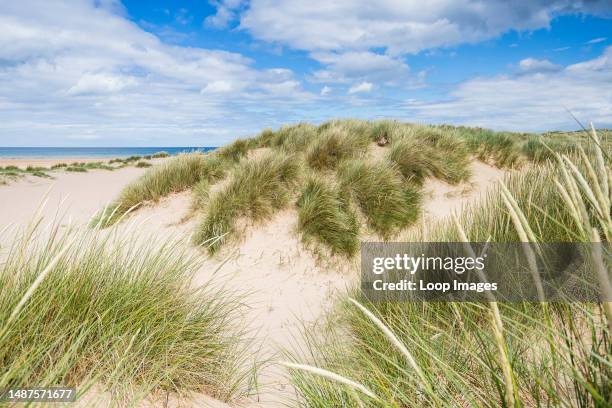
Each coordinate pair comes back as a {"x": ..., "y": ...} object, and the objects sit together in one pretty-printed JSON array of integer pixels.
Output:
[
  {"x": 325, "y": 216},
  {"x": 386, "y": 200},
  {"x": 143, "y": 164},
  {"x": 431, "y": 153},
  {"x": 500, "y": 148},
  {"x": 201, "y": 194},
  {"x": 160, "y": 155},
  {"x": 84, "y": 308},
  {"x": 334, "y": 145},
  {"x": 255, "y": 190},
  {"x": 76, "y": 169},
  {"x": 177, "y": 174},
  {"x": 294, "y": 138},
  {"x": 234, "y": 151}
]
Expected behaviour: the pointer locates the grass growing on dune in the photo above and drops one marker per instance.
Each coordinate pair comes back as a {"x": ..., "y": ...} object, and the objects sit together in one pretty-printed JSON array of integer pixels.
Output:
[
  {"x": 255, "y": 190},
  {"x": 142, "y": 164},
  {"x": 334, "y": 145},
  {"x": 83, "y": 309},
  {"x": 431, "y": 153},
  {"x": 291, "y": 139},
  {"x": 390, "y": 130},
  {"x": 326, "y": 217},
  {"x": 400, "y": 354},
  {"x": 160, "y": 155},
  {"x": 385, "y": 199},
  {"x": 175, "y": 175},
  {"x": 387, "y": 193},
  {"x": 200, "y": 194},
  {"x": 234, "y": 151},
  {"x": 500, "y": 148}
]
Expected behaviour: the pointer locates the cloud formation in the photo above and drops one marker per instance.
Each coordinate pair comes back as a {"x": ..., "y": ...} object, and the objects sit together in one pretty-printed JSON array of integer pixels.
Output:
[
  {"x": 75, "y": 71},
  {"x": 535, "y": 101},
  {"x": 537, "y": 65},
  {"x": 362, "y": 87},
  {"x": 80, "y": 67},
  {"x": 400, "y": 27}
]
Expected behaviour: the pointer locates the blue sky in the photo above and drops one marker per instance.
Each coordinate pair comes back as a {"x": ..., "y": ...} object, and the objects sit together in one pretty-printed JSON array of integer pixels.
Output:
[{"x": 137, "y": 73}]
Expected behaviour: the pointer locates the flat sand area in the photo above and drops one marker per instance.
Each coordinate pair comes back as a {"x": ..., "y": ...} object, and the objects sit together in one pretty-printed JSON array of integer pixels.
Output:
[
  {"x": 42, "y": 162},
  {"x": 281, "y": 283}
]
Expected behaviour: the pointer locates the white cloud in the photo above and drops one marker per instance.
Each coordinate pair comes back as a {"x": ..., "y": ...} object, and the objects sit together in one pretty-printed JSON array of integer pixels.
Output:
[
  {"x": 534, "y": 101},
  {"x": 226, "y": 13},
  {"x": 362, "y": 65},
  {"x": 218, "y": 87},
  {"x": 220, "y": 19},
  {"x": 325, "y": 90},
  {"x": 101, "y": 84},
  {"x": 597, "y": 40},
  {"x": 407, "y": 26},
  {"x": 362, "y": 87},
  {"x": 537, "y": 65},
  {"x": 183, "y": 17},
  {"x": 79, "y": 67},
  {"x": 364, "y": 40}
]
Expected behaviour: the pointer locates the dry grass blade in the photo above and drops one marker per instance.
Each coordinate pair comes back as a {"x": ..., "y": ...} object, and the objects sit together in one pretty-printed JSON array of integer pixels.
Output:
[
  {"x": 39, "y": 279},
  {"x": 601, "y": 164},
  {"x": 585, "y": 187},
  {"x": 603, "y": 275},
  {"x": 330, "y": 376},
  {"x": 522, "y": 228},
  {"x": 498, "y": 331},
  {"x": 398, "y": 344}
]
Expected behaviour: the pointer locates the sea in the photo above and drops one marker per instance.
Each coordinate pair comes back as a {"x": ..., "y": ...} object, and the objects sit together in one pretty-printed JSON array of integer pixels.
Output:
[{"x": 92, "y": 152}]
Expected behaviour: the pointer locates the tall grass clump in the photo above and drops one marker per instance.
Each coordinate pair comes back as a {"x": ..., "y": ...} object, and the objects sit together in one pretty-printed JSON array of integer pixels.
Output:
[
  {"x": 160, "y": 155},
  {"x": 326, "y": 217},
  {"x": 359, "y": 128},
  {"x": 294, "y": 138},
  {"x": 333, "y": 145},
  {"x": 200, "y": 194},
  {"x": 389, "y": 131},
  {"x": 491, "y": 353},
  {"x": 116, "y": 314},
  {"x": 255, "y": 190},
  {"x": 500, "y": 148},
  {"x": 177, "y": 174},
  {"x": 429, "y": 152},
  {"x": 388, "y": 203},
  {"x": 234, "y": 151}
]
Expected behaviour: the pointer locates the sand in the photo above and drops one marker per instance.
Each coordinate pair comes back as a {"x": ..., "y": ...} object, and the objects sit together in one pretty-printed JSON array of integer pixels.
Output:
[
  {"x": 78, "y": 195},
  {"x": 281, "y": 283},
  {"x": 39, "y": 162},
  {"x": 441, "y": 199}
]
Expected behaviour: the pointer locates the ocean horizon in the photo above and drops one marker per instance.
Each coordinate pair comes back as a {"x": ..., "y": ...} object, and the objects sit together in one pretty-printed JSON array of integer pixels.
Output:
[{"x": 93, "y": 152}]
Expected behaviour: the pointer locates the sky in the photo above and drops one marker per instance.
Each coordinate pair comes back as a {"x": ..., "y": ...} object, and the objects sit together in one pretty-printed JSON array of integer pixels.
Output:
[{"x": 198, "y": 73}]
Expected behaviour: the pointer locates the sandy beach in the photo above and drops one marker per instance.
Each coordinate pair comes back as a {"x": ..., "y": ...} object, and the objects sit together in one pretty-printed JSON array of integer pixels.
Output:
[
  {"x": 284, "y": 286},
  {"x": 48, "y": 162}
]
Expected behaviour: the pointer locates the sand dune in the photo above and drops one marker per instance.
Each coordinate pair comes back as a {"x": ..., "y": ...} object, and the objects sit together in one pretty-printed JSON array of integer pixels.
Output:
[{"x": 282, "y": 284}]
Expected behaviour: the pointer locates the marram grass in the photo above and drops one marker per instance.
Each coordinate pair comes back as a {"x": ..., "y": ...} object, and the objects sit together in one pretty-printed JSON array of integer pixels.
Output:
[
  {"x": 255, "y": 190},
  {"x": 482, "y": 354},
  {"x": 388, "y": 203},
  {"x": 332, "y": 146},
  {"x": 176, "y": 174},
  {"x": 386, "y": 193},
  {"x": 431, "y": 153},
  {"x": 326, "y": 217},
  {"x": 116, "y": 314}
]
